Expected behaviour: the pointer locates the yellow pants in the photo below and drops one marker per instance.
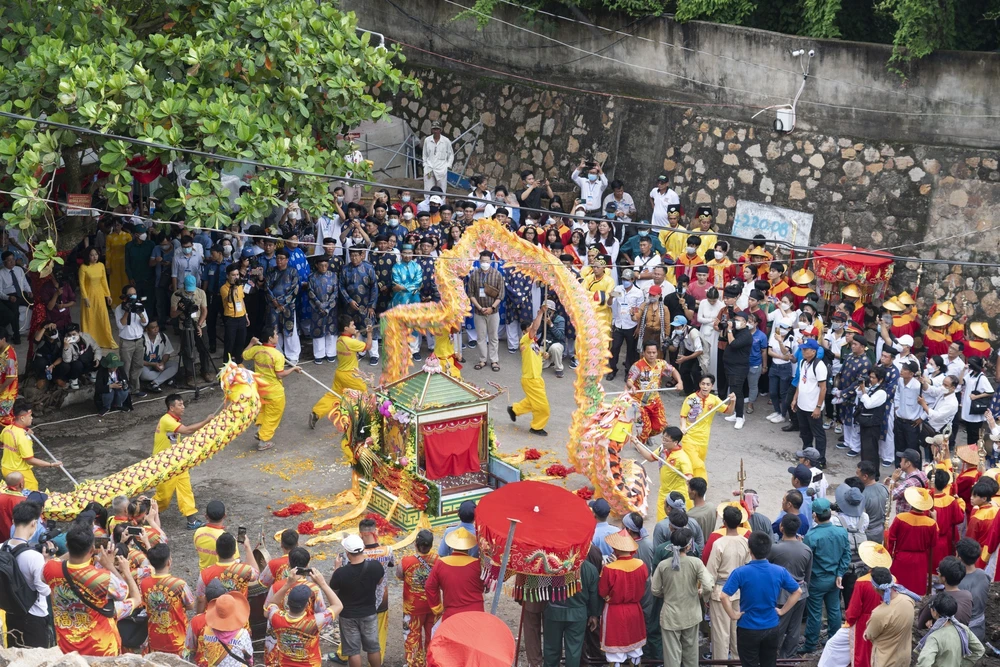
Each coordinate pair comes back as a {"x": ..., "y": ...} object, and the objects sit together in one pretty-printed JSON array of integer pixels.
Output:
[
  {"x": 661, "y": 502},
  {"x": 383, "y": 636},
  {"x": 181, "y": 485},
  {"x": 270, "y": 416},
  {"x": 535, "y": 401},
  {"x": 341, "y": 381},
  {"x": 697, "y": 462},
  {"x": 30, "y": 483}
]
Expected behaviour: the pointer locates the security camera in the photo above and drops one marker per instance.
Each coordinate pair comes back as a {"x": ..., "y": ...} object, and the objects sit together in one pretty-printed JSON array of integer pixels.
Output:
[
  {"x": 812, "y": 52},
  {"x": 797, "y": 52}
]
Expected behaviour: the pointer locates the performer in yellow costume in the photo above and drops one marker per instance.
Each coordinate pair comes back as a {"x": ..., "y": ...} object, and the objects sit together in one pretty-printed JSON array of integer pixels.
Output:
[
  {"x": 346, "y": 376},
  {"x": 269, "y": 364},
  {"x": 18, "y": 452},
  {"x": 535, "y": 400},
  {"x": 166, "y": 436},
  {"x": 599, "y": 282},
  {"x": 696, "y": 427},
  {"x": 444, "y": 350},
  {"x": 673, "y": 477}
]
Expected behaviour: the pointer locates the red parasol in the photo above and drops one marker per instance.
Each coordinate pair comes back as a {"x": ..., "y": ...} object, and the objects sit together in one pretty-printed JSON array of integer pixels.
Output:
[
  {"x": 552, "y": 538},
  {"x": 837, "y": 265},
  {"x": 471, "y": 639}
]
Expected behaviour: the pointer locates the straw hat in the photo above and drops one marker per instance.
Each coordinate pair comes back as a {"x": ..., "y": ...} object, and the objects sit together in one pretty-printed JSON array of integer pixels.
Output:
[
  {"x": 803, "y": 276},
  {"x": 744, "y": 517},
  {"x": 946, "y": 307},
  {"x": 893, "y": 306},
  {"x": 905, "y": 299},
  {"x": 968, "y": 454},
  {"x": 993, "y": 473},
  {"x": 940, "y": 319},
  {"x": 981, "y": 329},
  {"x": 757, "y": 251},
  {"x": 852, "y": 291},
  {"x": 918, "y": 498},
  {"x": 874, "y": 554},
  {"x": 460, "y": 539},
  {"x": 621, "y": 541},
  {"x": 228, "y": 613}
]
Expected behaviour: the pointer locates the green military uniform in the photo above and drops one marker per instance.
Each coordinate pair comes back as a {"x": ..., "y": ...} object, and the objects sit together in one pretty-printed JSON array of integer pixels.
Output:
[{"x": 565, "y": 621}]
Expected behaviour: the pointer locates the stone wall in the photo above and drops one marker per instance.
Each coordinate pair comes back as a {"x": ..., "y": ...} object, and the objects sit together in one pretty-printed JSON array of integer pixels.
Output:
[{"x": 869, "y": 193}]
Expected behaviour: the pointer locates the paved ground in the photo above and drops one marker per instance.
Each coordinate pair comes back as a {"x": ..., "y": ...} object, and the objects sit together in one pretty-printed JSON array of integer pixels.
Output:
[{"x": 308, "y": 464}]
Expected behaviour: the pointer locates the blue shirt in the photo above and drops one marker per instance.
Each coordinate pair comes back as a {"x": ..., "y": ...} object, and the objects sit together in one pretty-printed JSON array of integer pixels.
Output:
[
  {"x": 445, "y": 550},
  {"x": 602, "y": 530},
  {"x": 757, "y": 347},
  {"x": 803, "y": 525},
  {"x": 213, "y": 274},
  {"x": 759, "y": 583}
]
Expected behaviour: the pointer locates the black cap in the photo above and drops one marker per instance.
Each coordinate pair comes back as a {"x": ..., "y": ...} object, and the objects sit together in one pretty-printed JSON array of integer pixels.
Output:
[
  {"x": 802, "y": 473},
  {"x": 913, "y": 456},
  {"x": 704, "y": 210},
  {"x": 673, "y": 208}
]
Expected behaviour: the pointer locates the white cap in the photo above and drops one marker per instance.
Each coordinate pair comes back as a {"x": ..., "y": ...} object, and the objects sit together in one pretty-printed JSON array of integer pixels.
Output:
[
  {"x": 353, "y": 544},
  {"x": 435, "y": 199},
  {"x": 906, "y": 340}
]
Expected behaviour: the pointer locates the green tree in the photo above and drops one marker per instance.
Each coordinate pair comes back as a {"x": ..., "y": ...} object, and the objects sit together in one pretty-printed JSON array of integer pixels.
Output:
[{"x": 271, "y": 80}]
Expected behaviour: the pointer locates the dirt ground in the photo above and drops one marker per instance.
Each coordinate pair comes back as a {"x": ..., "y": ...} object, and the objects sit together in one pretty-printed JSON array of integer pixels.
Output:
[{"x": 307, "y": 464}]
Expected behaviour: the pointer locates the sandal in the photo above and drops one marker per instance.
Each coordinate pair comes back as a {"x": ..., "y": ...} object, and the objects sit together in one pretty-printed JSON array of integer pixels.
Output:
[
  {"x": 495, "y": 367},
  {"x": 480, "y": 366}
]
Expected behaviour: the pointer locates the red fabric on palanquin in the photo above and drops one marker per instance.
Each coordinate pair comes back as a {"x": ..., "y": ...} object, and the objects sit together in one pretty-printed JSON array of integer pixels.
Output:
[
  {"x": 550, "y": 543},
  {"x": 837, "y": 265},
  {"x": 471, "y": 639}
]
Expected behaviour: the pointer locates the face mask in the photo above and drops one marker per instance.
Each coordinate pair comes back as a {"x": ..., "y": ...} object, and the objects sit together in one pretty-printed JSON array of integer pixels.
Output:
[
  {"x": 434, "y": 208},
  {"x": 627, "y": 283},
  {"x": 484, "y": 267},
  {"x": 718, "y": 256},
  {"x": 644, "y": 232},
  {"x": 691, "y": 251},
  {"x": 340, "y": 200},
  {"x": 142, "y": 237},
  {"x": 592, "y": 177},
  {"x": 784, "y": 306},
  {"x": 393, "y": 222},
  {"x": 406, "y": 199},
  {"x": 356, "y": 239},
  {"x": 188, "y": 251},
  {"x": 800, "y": 325},
  {"x": 740, "y": 324},
  {"x": 459, "y": 215},
  {"x": 837, "y": 326},
  {"x": 407, "y": 215},
  {"x": 72, "y": 338}
]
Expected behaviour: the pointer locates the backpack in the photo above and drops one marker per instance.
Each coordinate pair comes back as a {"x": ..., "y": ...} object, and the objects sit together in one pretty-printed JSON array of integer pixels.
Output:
[{"x": 16, "y": 594}]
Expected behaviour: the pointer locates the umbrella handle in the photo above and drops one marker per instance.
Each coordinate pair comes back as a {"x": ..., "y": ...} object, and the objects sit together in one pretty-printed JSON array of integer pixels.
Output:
[{"x": 503, "y": 565}]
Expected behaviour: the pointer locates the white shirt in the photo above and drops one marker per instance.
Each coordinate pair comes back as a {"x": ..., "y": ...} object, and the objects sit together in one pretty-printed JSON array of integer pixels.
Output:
[
  {"x": 660, "y": 203},
  {"x": 905, "y": 400},
  {"x": 13, "y": 281},
  {"x": 590, "y": 192},
  {"x": 328, "y": 227},
  {"x": 642, "y": 264},
  {"x": 956, "y": 367},
  {"x": 944, "y": 408},
  {"x": 974, "y": 384},
  {"x": 158, "y": 349},
  {"x": 483, "y": 210},
  {"x": 30, "y": 562},
  {"x": 438, "y": 155},
  {"x": 902, "y": 359},
  {"x": 623, "y": 304},
  {"x": 135, "y": 329},
  {"x": 186, "y": 265},
  {"x": 625, "y": 204},
  {"x": 811, "y": 374},
  {"x": 773, "y": 345}
]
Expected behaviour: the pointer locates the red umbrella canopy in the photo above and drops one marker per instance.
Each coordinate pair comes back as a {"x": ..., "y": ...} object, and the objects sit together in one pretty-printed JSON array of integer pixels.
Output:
[
  {"x": 837, "y": 262},
  {"x": 552, "y": 538},
  {"x": 471, "y": 639}
]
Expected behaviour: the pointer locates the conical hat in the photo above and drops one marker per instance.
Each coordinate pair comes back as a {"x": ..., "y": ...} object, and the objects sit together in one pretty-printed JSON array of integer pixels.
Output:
[
  {"x": 947, "y": 307},
  {"x": 918, "y": 498},
  {"x": 460, "y": 539},
  {"x": 993, "y": 473},
  {"x": 621, "y": 541},
  {"x": 981, "y": 329},
  {"x": 851, "y": 290},
  {"x": 893, "y": 306},
  {"x": 803, "y": 276},
  {"x": 874, "y": 554},
  {"x": 905, "y": 299},
  {"x": 744, "y": 517},
  {"x": 940, "y": 319},
  {"x": 968, "y": 453}
]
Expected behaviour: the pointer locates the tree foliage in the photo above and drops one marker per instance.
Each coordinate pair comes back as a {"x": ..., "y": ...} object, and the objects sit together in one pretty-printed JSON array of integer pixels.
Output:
[
  {"x": 271, "y": 80},
  {"x": 733, "y": 12}
]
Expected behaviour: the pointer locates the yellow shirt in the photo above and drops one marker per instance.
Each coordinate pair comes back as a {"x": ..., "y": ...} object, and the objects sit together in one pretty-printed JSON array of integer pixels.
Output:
[
  {"x": 267, "y": 363},
  {"x": 670, "y": 480},
  {"x": 347, "y": 353},
  {"x": 204, "y": 543},
  {"x": 708, "y": 241},
  {"x": 166, "y": 433},
  {"x": 232, "y": 301},
  {"x": 531, "y": 359},
  {"x": 16, "y": 447},
  {"x": 606, "y": 285},
  {"x": 674, "y": 240}
]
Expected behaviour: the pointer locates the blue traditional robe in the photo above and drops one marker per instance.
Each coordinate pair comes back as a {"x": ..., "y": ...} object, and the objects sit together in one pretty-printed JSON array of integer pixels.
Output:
[
  {"x": 322, "y": 292},
  {"x": 854, "y": 370},
  {"x": 283, "y": 287},
  {"x": 409, "y": 276},
  {"x": 358, "y": 284}
]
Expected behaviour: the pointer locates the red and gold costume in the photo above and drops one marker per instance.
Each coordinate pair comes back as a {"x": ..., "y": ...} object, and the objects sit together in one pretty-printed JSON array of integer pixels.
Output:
[
  {"x": 685, "y": 264},
  {"x": 167, "y": 599},
  {"x": 949, "y": 513},
  {"x": 983, "y": 529},
  {"x": 276, "y": 570},
  {"x": 647, "y": 378},
  {"x": 316, "y": 602},
  {"x": 906, "y": 324},
  {"x": 721, "y": 272},
  {"x": 799, "y": 293},
  {"x": 418, "y": 617},
  {"x": 864, "y": 600},
  {"x": 234, "y": 576},
  {"x": 910, "y": 540},
  {"x": 976, "y": 347},
  {"x": 622, "y": 585},
  {"x": 779, "y": 289},
  {"x": 715, "y": 535},
  {"x": 758, "y": 258},
  {"x": 8, "y": 384},
  {"x": 78, "y": 627},
  {"x": 291, "y": 641},
  {"x": 454, "y": 585},
  {"x": 963, "y": 486}
]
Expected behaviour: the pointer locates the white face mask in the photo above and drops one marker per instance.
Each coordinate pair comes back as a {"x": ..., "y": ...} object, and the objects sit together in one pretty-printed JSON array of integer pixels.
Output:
[
  {"x": 718, "y": 256},
  {"x": 691, "y": 251},
  {"x": 406, "y": 199},
  {"x": 740, "y": 324},
  {"x": 227, "y": 250},
  {"x": 784, "y": 306},
  {"x": 72, "y": 338},
  {"x": 407, "y": 215},
  {"x": 142, "y": 237}
]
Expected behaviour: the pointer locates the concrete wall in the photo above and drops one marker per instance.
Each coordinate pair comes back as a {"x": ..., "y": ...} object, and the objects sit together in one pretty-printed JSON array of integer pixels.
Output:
[{"x": 849, "y": 92}]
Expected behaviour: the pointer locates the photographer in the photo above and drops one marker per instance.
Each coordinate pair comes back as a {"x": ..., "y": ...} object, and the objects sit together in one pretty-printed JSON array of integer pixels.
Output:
[
  {"x": 190, "y": 306},
  {"x": 111, "y": 389},
  {"x": 158, "y": 367},
  {"x": 235, "y": 320},
  {"x": 131, "y": 318},
  {"x": 80, "y": 355},
  {"x": 31, "y": 629},
  {"x": 47, "y": 363}
]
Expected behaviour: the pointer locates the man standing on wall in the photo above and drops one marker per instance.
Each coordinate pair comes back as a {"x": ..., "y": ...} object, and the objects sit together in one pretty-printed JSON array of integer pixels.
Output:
[{"x": 438, "y": 157}]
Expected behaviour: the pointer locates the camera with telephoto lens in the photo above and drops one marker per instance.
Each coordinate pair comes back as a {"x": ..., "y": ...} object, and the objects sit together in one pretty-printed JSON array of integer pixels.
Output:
[
  {"x": 133, "y": 304},
  {"x": 187, "y": 308},
  {"x": 43, "y": 541}
]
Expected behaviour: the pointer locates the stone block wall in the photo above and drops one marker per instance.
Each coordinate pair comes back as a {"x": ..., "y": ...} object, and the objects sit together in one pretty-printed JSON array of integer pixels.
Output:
[{"x": 871, "y": 194}]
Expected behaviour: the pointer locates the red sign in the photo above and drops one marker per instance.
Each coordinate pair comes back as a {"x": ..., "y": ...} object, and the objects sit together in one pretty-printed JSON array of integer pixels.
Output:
[{"x": 78, "y": 204}]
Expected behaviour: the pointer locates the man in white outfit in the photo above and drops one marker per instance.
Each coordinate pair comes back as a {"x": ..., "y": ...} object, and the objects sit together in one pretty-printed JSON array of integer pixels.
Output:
[{"x": 438, "y": 157}]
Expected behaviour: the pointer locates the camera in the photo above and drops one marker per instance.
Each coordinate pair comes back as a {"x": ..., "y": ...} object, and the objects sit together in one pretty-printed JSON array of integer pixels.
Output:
[
  {"x": 133, "y": 304},
  {"x": 43, "y": 540},
  {"x": 188, "y": 311}
]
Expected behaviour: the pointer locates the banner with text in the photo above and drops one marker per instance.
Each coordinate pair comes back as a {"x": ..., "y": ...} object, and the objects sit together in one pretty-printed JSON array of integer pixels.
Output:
[{"x": 774, "y": 222}]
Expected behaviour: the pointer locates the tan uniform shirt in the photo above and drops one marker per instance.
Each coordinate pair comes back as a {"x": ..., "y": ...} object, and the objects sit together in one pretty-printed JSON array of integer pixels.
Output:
[
  {"x": 890, "y": 630},
  {"x": 728, "y": 553}
]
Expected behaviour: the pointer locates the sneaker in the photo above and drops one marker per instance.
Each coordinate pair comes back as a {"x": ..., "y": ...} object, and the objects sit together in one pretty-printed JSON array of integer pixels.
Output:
[
  {"x": 538, "y": 431},
  {"x": 748, "y": 408},
  {"x": 838, "y": 429},
  {"x": 573, "y": 363},
  {"x": 887, "y": 464},
  {"x": 373, "y": 361},
  {"x": 103, "y": 412},
  {"x": 472, "y": 343},
  {"x": 510, "y": 351},
  {"x": 313, "y": 419},
  {"x": 779, "y": 420},
  {"x": 140, "y": 394},
  {"x": 318, "y": 362},
  {"x": 417, "y": 357},
  {"x": 155, "y": 389},
  {"x": 510, "y": 412},
  {"x": 841, "y": 445},
  {"x": 739, "y": 423},
  {"x": 264, "y": 445},
  {"x": 788, "y": 428},
  {"x": 331, "y": 360},
  {"x": 74, "y": 384},
  {"x": 194, "y": 524},
  {"x": 853, "y": 454},
  {"x": 559, "y": 374},
  {"x": 827, "y": 426},
  {"x": 731, "y": 418},
  {"x": 334, "y": 658},
  {"x": 773, "y": 416}
]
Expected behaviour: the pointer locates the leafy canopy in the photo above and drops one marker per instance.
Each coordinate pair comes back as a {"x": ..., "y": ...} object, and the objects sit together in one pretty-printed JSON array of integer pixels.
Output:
[{"x": 271, "y": 80}]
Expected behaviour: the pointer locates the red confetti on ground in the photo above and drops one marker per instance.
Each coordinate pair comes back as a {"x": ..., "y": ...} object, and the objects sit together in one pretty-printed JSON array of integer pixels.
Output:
[
  {"x": 558, "y": 470},
  {"x": 293, "y": 510},
  {"x": 532, "y": 455},
  {"x": 585, "y": 492},
  {"x": 383, "y": 526},
  {"x": 307, "y": 528}
]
